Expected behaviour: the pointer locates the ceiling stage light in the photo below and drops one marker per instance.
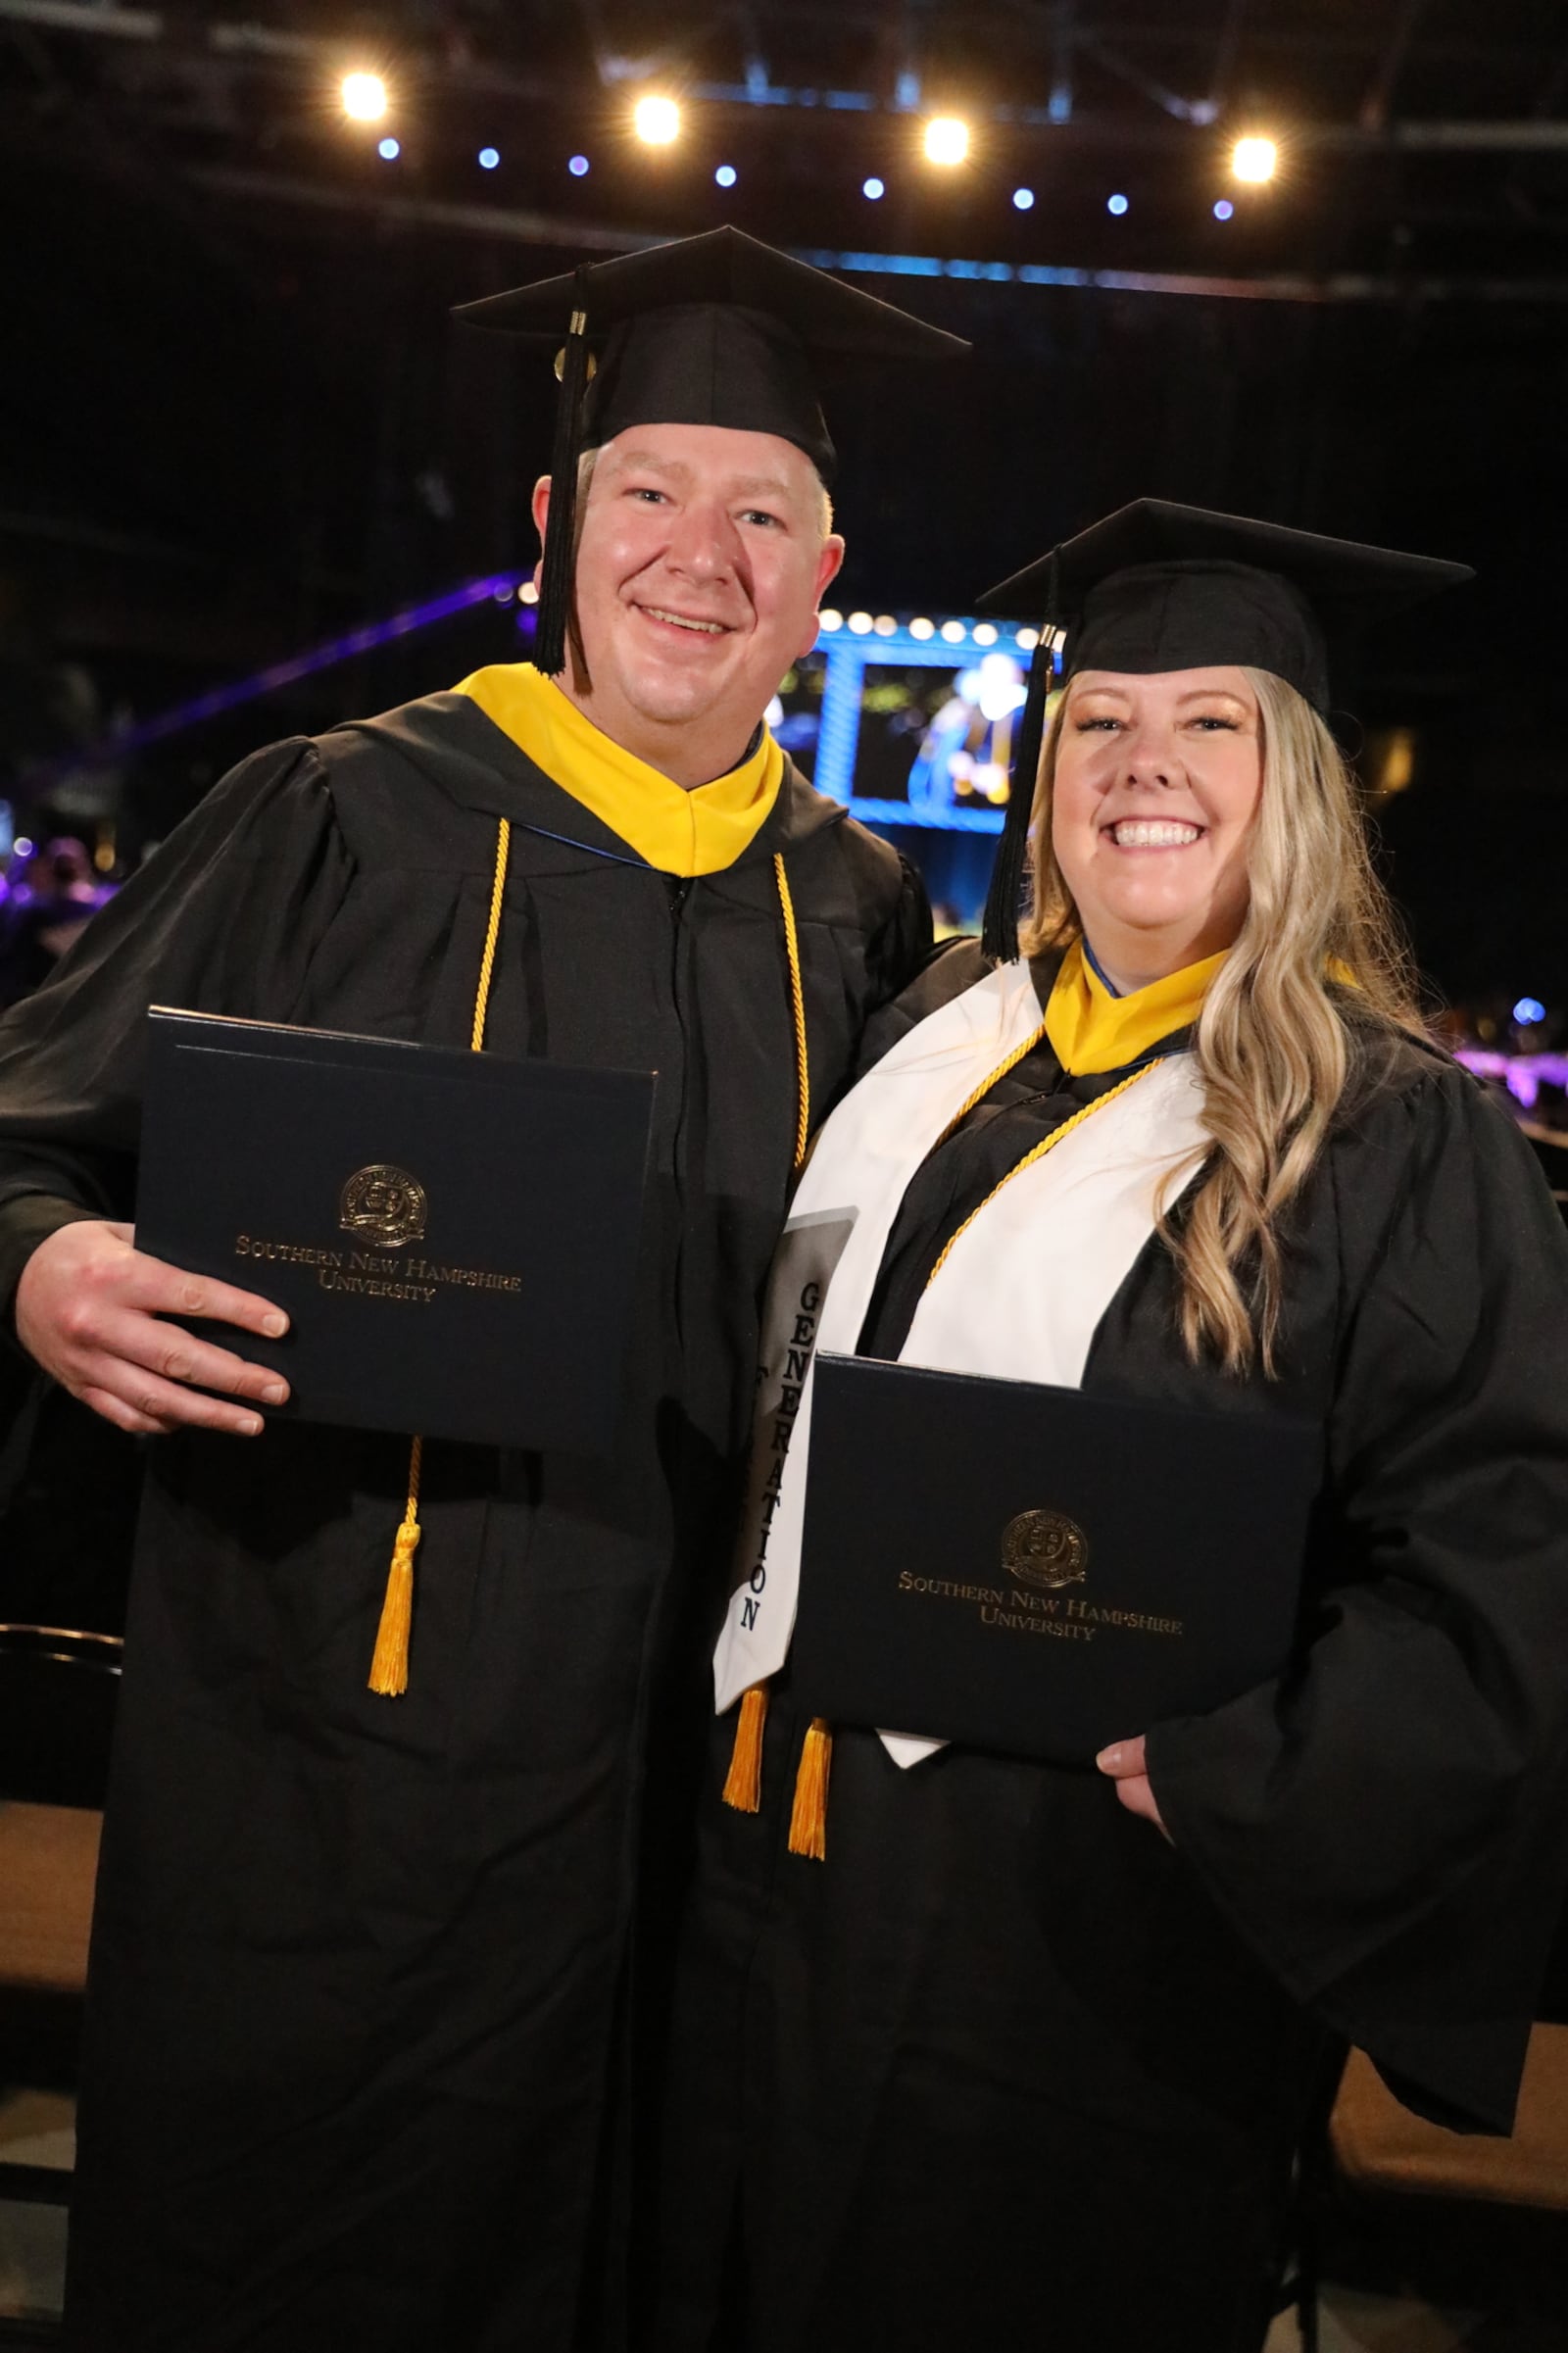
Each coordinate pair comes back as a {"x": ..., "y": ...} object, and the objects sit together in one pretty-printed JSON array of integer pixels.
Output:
[
  {"x": 922, "y": 628},
  {"x": 873, "y": 188},
  {"x": 1224, "y": 208},
  {"x": 1116, "y": 205},
  {"x": 1023, "y": 200},
  {"x": 364, "y": 97},
  {"x": 388, "y": 149},
  {"x": 985, "y": 633},
  {"x": 861, "y": 623},
  {"x": 829, "y": 620},
  {"x": 1254, "y": 161},
  {"x": 946, "y": 139},
  {"x": 1529, "y": 1010},
  {"x": 577, "y": 165},
  {"x": 656, "y": 121},
  {"x": 726, "y": 176},
  {"x": 955, "y": 632},
  {"x": 489, "y": 156},
  {"x": 1026, "y": 640}
]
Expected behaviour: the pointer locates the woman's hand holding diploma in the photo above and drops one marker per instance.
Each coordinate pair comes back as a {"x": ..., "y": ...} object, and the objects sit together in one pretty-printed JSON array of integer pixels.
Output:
[{"x": 1124, "y": 1762}]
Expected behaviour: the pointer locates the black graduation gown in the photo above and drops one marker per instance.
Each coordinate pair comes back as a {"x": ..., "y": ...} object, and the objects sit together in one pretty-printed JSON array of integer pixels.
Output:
[
  {"x": 360, "y": 2062},
  {"x": 1007, "y": 2067}
]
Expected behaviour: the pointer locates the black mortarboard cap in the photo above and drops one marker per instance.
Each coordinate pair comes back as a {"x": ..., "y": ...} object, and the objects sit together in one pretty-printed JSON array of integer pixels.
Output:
[
  {"x": 1156, "y": 587},
  {"x": 717, "y": 330}
]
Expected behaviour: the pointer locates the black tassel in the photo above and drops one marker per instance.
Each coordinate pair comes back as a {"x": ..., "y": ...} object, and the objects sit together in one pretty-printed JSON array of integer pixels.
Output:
[
  {"x": 999, "y": 938},
  {"x": 561, "y": 531}
]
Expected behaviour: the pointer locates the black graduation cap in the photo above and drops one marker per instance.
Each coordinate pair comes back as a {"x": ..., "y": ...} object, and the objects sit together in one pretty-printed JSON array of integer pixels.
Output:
[
  {"x": 718, "y": 329},
  {"x": 1158, "y": 586}
]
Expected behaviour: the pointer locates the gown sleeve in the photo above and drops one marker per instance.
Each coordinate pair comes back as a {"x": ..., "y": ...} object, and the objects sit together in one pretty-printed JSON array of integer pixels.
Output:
[
  {"x": 901, "y": 942},
  {"x": 224, "y": 918},
  {"x": 1387, "y": 1828}
]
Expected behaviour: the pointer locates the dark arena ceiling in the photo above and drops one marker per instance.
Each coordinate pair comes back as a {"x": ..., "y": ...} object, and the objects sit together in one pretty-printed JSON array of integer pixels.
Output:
[{"x": 236, "y": 417}]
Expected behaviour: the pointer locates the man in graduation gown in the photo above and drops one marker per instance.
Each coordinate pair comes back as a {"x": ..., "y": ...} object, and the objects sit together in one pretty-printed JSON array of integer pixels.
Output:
[{"x": 376, "y": 1980}]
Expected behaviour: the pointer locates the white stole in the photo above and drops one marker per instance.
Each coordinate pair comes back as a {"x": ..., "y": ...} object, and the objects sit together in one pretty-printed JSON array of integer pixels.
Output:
[{"x": 1021, "y": 1294}]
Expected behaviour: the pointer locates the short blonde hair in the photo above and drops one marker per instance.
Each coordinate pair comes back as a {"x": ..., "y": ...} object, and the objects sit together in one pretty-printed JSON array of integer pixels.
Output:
[{"x": 585, "y": 475}]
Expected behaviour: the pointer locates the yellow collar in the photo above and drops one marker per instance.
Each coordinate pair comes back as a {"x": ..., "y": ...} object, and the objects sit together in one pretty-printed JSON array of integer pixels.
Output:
[
  {"x": 679, "y": 832},
  {"x": 1090, "y": 1031}
]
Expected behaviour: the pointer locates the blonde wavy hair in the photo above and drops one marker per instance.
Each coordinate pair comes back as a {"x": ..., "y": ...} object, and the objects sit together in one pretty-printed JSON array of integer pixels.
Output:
[{"x": 1319, "y": 955}]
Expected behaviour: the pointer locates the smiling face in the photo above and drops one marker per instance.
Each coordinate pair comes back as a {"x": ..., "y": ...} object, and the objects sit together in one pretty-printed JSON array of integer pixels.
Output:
[
  {"x": 1156, "y": 783},
  {"x": 701, "y": 562}
]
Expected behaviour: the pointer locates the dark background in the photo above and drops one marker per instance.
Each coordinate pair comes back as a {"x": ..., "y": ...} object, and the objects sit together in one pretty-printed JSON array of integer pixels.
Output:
[{"x": 235, "y": 419}]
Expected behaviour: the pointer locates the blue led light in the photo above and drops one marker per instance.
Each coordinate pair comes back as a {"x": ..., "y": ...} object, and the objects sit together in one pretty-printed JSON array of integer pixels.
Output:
[
  {"x": 872, "y": 188},
  {"x": 489, "y": 156},
  {"x": 577, "y": 165},
  {"x": 1116, "y": 205},
  {"x": 1224, "y": 208},
  {"x": 1023, "y": 200},
  {"x": 726, "y": 176},
  {"x": 1529, "y": 1010},
  {"x": 389, "y": 151}
]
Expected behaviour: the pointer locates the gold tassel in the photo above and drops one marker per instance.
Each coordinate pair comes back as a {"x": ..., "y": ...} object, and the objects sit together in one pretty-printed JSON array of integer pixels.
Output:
[
  {"x": 808, "y": 1814},
  {"x": 743, "y": 1785},
  {"x": 389, "y": 1668},
  {"x": 389, "y": 1664}
]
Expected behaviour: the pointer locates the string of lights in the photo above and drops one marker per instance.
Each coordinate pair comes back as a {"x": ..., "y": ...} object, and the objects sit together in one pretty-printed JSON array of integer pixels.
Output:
[{"x": 946, "y": 142}]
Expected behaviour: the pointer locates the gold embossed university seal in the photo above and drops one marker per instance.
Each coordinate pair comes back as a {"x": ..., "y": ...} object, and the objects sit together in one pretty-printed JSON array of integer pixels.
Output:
[
  {"x": 1044, "y": 1548},
  {"x": 385, "y": 1205}
]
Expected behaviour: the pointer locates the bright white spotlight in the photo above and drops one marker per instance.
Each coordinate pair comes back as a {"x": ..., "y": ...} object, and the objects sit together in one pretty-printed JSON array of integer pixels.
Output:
[
  {"x": 726, "y": 176},
  {"x": 829, "y": 620},
  {"x": 984, "y": 633},
  {"x": 364, "y": 97},
  {"x": 1223, "y": 208},
  {"x": 873, "y": 188},
  {"x": 489, "y": 158},
  {"x": 946, "y": 139},
  {"x": 1026, "y": 640},
  {"x": 861, "y": 623},
  {"x": 1254, "y": 160},
  {"x": 656, "y": 121},
  {"x": 388, "y": 149},
  {"x": 922, "y": 628},
  {"x": 1023, "y": 200},
  {"x": 1116, "y": 205},
  {"x": 955, "y": 632}
]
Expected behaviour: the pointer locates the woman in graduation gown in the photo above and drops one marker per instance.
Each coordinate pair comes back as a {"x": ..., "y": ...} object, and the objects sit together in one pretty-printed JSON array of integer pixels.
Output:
[{"x": 973, "y": 2054}]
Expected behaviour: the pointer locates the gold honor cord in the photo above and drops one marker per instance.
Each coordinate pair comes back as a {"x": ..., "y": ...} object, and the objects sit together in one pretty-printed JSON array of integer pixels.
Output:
[
  {"x": 743, "y": 1783},
  {"x": 808, "y": 1814},
  {"x": 803, "y": 1071},
  {"x": 982, "y": 1090},
  {"x": 1039, "y": 1152},
  {"x": 389, "y": 1666}
]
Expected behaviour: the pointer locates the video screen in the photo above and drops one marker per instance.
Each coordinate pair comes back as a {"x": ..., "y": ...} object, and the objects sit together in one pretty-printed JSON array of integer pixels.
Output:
[
  {"x": 939, "y": 738},
  {"x": 936, "y": 737}
]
